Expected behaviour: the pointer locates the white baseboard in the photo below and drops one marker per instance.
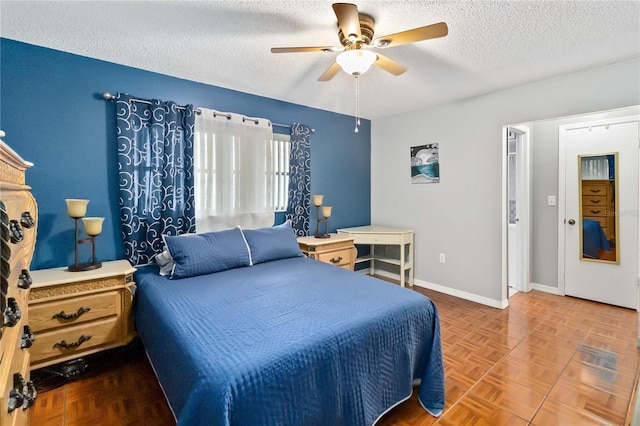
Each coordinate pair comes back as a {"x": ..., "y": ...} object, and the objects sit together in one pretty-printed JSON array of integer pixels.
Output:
[
  {"x": 462, "y": 294},
  {"x": 546, "y": 289},
  {"x": 446, "y": 290}
]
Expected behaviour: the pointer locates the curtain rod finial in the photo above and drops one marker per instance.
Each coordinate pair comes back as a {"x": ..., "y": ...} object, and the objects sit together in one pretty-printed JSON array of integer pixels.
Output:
[{"x": 108, "y": 96}]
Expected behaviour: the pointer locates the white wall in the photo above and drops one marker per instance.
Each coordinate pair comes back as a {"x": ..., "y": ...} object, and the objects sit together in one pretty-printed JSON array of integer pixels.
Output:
[{"x": 461, "y": 215}]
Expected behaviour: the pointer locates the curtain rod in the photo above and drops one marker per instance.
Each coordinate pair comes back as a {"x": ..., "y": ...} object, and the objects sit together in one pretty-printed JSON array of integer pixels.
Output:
[{"x": 110, "y": 97}]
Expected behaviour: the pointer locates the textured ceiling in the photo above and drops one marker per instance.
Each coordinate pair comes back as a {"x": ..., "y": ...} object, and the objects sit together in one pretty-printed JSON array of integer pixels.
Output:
[{"x": 491, "y": 44}]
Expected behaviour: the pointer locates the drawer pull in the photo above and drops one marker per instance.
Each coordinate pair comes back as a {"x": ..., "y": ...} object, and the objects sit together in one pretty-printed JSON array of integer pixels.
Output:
[
  {"x": 73, "y": 316},
  {"x": 595, "y": 211},
  {"x": 26, "y": 220},
  {"x": 27, "y": 338},
  {"x": 17, "y": 396},
  {"x": 30, "y": 396},
  {"x": 15, "y": 400},
  {"x": 596, "y": 201},
  {"x": 595, "y": 191},
  {"x": 12, "y": 313},
  {"x": 15, "y": 232},
  {"x": 63, "y": 344},
  {"x": 334, "y": 260},
  {"x": 24, "y": 279}
]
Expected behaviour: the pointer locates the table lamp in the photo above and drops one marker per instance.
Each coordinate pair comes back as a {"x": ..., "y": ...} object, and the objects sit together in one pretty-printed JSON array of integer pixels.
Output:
[
  {"x": 77, "y": 209},
  {"x": 320, "y": 218}
]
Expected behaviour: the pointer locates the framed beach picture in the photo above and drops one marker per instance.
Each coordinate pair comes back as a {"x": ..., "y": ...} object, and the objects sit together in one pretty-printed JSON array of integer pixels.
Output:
[{"x": 425, "y": 164}]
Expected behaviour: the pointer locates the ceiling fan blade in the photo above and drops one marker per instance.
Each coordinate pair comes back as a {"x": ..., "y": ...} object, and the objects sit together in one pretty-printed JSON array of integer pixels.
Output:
[
  {"x": 302, "y": 49},
  {"x": 411, "y": 36},
  {"x": 348, "y": 20},
  {"x": 330, "y": 73},
  {"x": 390, "y": 65}
]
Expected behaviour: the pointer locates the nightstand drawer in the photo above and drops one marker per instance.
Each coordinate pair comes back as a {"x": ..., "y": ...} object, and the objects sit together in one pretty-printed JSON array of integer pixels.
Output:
[
  {"x": 62, "y": 313},
  {"x": 595, "y": 189},
  {"x": 74, "y": 340},
  {"x": 595, "y": 211},
  {"x": 594, "y": 201},
  {"x": 338, "y": 257},
  {"x": 64, "y": 306},
  {"x": 336, "y": 250}
]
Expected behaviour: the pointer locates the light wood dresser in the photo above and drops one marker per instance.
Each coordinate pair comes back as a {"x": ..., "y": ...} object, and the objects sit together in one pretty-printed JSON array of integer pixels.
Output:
[
  {"x": 80, "y": 313},
  {"x": 19, "y": 214},
  {"x": 598, "y": 203},
  {"x": 336, "y": 250}
]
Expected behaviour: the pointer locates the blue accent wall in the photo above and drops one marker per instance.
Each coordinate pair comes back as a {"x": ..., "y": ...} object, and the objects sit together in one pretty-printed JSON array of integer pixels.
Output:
[{"x": 52, "y": 111}]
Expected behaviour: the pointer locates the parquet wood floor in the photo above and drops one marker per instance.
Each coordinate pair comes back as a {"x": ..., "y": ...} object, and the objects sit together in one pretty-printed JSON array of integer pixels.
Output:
[{"x": 545, "y": 360}]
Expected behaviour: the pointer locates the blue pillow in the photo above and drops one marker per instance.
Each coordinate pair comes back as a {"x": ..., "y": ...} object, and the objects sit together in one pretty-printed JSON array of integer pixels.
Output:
[
  {"x": 272, "y": 243},
  {"x": 199, "y": 254}
]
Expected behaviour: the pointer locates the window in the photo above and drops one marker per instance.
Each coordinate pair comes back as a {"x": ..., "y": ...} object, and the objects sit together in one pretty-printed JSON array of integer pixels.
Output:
[
  {"x": 281, "y": 152},
  {"x": 234, "y": 171}
]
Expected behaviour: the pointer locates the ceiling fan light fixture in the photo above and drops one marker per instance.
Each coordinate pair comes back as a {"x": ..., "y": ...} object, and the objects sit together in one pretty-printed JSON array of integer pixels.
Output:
[{"x": 356, "y": 62}]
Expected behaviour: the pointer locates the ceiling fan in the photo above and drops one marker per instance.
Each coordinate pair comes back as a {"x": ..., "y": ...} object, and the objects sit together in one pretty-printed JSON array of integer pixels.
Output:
[{"x": 355, "y": 32}]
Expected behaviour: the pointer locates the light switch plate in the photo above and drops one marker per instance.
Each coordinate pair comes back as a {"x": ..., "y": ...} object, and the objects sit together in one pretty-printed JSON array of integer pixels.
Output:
[{"x": 551, "y": 200}]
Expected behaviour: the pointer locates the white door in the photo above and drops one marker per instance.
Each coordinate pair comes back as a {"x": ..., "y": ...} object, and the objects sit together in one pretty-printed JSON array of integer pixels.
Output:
[
  {"x": 613, "y": 282},
  {"x": 523, "y": 208},
  {"x": 512, "y": 226},
  {"x": 519, "y": 216}
]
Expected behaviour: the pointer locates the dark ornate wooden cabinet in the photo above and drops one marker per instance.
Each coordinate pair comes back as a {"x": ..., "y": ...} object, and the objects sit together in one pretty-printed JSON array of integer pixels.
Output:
[{"x": 18, "y": 211}]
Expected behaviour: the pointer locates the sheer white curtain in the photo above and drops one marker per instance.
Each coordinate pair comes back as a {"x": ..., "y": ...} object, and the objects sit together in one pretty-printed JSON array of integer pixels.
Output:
[{"x": 234, "y": 171}]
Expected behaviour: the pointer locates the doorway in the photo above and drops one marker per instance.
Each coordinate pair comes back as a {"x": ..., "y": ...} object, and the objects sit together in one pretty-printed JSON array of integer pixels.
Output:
[
  {"x": 598, "y": 223},
  {"x": 519, "y": 214},
  {"x": 546, "y": 245}
]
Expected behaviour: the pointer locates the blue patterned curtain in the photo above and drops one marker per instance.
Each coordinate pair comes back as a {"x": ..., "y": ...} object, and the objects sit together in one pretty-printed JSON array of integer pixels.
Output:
[
  {"x": 155, "y": 162},
  {"x": 298, "y": 210}
]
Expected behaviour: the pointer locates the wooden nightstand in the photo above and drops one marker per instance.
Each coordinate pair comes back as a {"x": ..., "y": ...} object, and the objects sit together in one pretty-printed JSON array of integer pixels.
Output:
[
  {"x": 337, "y": 250},
  {"x": 79, "y": 313}
]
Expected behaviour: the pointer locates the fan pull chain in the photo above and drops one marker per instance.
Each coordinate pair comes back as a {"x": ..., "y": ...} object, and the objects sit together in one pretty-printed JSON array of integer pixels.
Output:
[{"x": 357, "y": 103}]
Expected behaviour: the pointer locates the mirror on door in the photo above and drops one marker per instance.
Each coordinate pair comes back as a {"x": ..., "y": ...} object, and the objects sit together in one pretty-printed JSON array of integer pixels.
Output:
[{"x": 598, "y": 207}]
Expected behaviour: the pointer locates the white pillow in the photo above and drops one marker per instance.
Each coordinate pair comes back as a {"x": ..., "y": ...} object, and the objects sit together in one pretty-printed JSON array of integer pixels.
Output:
[{"x": 165, "y": 262}]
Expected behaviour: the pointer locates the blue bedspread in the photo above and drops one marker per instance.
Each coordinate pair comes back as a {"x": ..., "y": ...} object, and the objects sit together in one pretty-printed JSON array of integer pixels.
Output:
[
  {"x": 289, "y": 342},
  {"x": 593, "y": 238}
]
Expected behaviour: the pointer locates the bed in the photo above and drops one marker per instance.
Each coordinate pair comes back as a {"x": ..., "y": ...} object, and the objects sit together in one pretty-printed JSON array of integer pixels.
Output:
[
  {"x": 593, "y": 238},
  {"x": 288, "y": 341}
]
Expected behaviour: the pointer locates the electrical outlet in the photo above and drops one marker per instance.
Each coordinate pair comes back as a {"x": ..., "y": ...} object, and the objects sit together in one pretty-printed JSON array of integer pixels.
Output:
[{"x": 442, "y": 259}]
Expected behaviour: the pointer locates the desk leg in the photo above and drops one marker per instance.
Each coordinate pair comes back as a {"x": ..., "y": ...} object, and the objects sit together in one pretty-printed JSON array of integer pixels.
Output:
[
  {"x": 402, "y": 266},
  {"x": 411, "y": 263},
  {"x": 372, "y": 268}
]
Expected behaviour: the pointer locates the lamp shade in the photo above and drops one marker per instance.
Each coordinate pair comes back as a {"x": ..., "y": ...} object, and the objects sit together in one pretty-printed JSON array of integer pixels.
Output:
[
  {"x": 76, "y": 208},
  {"x": 93, "y": 225},
  {"x": 356, "y": 62},
  {"x": 317, "y": 200},
  {"x": 326, "y": 211}
]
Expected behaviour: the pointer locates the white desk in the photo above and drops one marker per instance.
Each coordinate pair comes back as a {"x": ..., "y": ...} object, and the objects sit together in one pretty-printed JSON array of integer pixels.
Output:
[{"x": 383, "y": 235}]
